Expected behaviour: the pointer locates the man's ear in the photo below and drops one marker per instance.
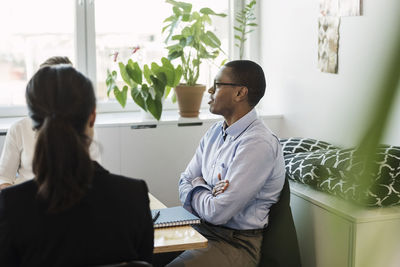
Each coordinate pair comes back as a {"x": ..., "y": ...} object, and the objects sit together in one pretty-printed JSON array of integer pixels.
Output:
[
  {"x": 92, "y": 118},
  {"x": 241, "y": 94}
]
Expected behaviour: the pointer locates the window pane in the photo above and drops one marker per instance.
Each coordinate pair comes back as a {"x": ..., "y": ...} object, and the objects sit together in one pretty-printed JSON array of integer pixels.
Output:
[
  {"x": 126, "y": 24},
  {"x": 31, "y": 32}
]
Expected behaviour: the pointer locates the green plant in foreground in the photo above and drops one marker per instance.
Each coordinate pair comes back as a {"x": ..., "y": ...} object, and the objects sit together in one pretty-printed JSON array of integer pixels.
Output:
[
  {"x": 244, "y": 19},
  {"x": 147, "y": 93},
  {"x": 192, "y": 41}
]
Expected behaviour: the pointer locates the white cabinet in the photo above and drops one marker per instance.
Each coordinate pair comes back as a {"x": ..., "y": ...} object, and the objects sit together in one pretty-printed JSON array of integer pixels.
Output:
[
  {"x": 159, "y": 155},
  {"x": 108, "y": 140},
  {"x": 335, "y": 233}
]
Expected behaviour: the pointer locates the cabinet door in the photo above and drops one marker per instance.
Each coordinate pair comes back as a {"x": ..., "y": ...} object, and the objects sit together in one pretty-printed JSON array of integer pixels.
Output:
[
  {"x": 159, "y": 155},
  {"x": 109, "y": 142},
  {"x": 324, "y": 238},
  {"x": 377, "y": 243}
]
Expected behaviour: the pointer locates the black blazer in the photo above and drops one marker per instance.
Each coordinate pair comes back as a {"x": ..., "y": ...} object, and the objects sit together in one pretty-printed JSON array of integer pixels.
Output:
[{"x": 112, "y": 223}]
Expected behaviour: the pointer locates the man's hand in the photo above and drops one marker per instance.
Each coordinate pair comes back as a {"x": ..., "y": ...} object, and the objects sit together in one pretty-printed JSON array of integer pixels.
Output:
[
  {"x": 220, "y": 187},
  {"x": 198, "y": 181},
  {"x": 2, "y": 186}
]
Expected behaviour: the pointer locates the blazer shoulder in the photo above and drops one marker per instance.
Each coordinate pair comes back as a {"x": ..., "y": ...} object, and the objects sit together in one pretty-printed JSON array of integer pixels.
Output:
[
  {"x": 123, "y": 184},
  {"x": 27, "y": 188}
]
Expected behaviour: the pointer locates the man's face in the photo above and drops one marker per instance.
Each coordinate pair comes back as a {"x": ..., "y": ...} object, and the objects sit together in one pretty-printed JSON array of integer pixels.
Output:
[{"x": 222, "y": 93}]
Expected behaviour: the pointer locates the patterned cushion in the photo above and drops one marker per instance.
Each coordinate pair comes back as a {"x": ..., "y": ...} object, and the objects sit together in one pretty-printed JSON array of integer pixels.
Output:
[
  {"x": 342, "y": 172},
  {"x": 297, "y": 145}
]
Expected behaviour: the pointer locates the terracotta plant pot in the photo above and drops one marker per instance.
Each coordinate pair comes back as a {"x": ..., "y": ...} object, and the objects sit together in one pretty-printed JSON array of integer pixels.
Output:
[{"x": 189, "y": 99}]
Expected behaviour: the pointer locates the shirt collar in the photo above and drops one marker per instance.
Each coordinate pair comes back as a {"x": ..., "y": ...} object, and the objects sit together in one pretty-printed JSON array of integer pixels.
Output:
[{"x": 240, "y": 125}]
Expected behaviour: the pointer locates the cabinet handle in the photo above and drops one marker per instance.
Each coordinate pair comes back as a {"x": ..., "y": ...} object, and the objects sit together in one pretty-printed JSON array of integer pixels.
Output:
[
  {"x": 184, "y": 124},
  {"x": 144, "y": 126}
]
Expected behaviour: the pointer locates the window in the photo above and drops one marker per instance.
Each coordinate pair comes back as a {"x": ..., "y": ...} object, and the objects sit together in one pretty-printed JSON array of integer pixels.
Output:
[
  {"x": 28, "y": 36},
  {"x": 88, "y": 32},
  {"x": 126, "y": 27}
]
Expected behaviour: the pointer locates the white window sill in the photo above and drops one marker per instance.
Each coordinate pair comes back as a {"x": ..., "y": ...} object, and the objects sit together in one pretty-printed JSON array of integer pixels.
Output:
[{"x": 115, "y": 119}]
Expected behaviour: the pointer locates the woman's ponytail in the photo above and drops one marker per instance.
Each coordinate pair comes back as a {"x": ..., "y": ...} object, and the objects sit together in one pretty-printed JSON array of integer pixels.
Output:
[{"x": 61, "y": 163}]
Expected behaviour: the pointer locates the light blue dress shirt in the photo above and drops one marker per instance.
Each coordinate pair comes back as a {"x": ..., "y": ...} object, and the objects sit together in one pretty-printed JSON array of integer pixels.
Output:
[{"x": 251, "y": 159}]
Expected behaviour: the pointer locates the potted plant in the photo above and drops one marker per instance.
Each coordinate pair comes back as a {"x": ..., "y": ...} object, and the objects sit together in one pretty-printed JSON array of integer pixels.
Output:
[
  {"x": 147, "y": 93},
  {"x": 189, "y": 40}
]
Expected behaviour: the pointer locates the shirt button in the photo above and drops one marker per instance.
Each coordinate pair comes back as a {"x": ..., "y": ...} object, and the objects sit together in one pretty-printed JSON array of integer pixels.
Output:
[{"x": 213, "y": 165}]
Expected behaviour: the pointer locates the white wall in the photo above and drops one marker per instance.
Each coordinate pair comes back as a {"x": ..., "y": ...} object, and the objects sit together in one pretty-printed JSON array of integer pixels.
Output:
[{"x": 329, "y": 107}]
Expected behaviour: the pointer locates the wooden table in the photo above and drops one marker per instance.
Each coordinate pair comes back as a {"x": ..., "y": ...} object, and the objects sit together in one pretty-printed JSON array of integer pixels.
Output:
[{"x": 177, "y": 238}]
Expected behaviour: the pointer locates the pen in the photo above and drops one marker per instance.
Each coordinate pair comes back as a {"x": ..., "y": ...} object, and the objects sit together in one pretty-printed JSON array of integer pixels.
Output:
[{"x": 156, "y": 216}]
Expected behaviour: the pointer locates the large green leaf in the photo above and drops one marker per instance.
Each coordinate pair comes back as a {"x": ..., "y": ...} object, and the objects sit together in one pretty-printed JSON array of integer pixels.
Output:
[
  {"x": 211, "y": 40},
  {"x": 159, "y": 83},
  {"x": 166, "y": 63},
  {"x": 176, "y": 37},
  {"x": 207, "y": 19},
  {"x": 155, "y": 68},
  {"x": 170, "y": 18},
  {"x": 175, "y": 54},
  {"x": 178, "y": 75},
  {"x": 154, "y": 106},
  {"x": 138, "y": 98},
  {"x": 182, "y": 42},
  {"x": 186, "y": 31},
  {"x": 121, "y": 96},
  {"x": 124, "y": 74},
  {"x": 177, "y": 11},
  {"x": 146, "y": 73},
  {"x": 175, "y": 20},
  {"x": 186, "y": 17},
  {"x": 195, "y": 16},
  {"x": 209, "y": 11},
  {"x": 134, "y": 71},
  {"x": 186, "y": 7},
  {"x": 167, "y": 91},
  {"x": 145, "y": 91},
  {"x": 175, "y": 47},
  {"x": 110, "y": 81}
]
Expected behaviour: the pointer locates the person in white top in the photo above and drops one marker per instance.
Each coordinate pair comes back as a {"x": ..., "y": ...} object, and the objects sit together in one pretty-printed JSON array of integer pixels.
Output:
[{"x": 19, "y": 146}]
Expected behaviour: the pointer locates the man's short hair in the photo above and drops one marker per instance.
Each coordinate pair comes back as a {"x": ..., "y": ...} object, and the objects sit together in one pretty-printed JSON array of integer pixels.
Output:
[{"x": 251, "y": 75}]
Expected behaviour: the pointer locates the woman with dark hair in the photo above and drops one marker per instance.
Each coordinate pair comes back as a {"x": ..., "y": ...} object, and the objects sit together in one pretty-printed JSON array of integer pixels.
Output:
[
  {"x": 16, "y": 158},
  {"x": 74, "y": 212}
]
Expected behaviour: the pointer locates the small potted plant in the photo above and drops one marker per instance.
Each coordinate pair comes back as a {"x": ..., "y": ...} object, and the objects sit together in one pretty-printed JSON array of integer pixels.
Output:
[
  {"x": 189, "y": 40},
  {"x": 147, "y": 93}
]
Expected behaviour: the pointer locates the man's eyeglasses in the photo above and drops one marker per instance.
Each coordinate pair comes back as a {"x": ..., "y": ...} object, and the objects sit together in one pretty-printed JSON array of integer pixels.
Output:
[{"x": 231, "y": 84}]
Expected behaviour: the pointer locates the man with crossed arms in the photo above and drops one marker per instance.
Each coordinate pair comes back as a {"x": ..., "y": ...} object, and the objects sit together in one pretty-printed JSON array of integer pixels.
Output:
[{"x": 236, "y": 175}]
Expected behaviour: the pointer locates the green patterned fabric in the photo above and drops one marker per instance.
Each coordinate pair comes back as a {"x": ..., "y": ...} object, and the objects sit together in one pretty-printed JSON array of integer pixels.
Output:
[
  {"x": 341, "y": 172},
  {"x": 297, "y": 145}
]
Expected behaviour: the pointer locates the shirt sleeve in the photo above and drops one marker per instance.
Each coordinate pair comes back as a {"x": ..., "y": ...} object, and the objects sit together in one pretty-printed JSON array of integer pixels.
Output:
[
  {"x": 10, "y": 157},
  {"x": 192, "y": 171},
  {"x": 250, "y": 169}
]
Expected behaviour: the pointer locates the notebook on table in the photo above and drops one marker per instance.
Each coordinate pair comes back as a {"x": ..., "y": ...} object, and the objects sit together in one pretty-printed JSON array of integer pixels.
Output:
[{"x": 175, "y": 216}]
